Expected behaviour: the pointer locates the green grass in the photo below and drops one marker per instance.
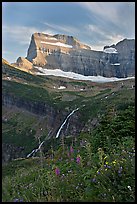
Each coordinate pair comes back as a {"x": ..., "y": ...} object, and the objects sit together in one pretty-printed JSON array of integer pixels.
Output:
[
  {"x": 105, "y": 172},
  {"x": 100, "y": 176},
  {"x": 21, "y": 129},
  {"x": 106, "y": 168},
  {"x": 78, "y": 83},
  {"x": 19, "y": 74}
]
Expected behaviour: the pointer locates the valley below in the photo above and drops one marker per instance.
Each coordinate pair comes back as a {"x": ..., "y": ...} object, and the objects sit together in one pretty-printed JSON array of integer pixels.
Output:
[{"x": 67, "y": 136}]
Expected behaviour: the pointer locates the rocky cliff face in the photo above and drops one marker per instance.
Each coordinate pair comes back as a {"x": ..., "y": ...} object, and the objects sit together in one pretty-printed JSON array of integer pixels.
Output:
[
  {"x": 126, "y": 57},
  {"x": 69, "y": 54},
  {"x": 54, "y": 117}
]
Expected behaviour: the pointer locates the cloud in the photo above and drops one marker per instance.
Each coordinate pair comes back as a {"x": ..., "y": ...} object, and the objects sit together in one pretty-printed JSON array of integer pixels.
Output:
[
  {"x": 21, "y": 34},
  {"x": 110, "y": 11},
  {"x": 99, "y": 45},
  {"x": 118, "y": 17},
  {"x": 111, "y": 22},
  {"x": 65, "y": 29},
  {"x": 101, "y": 36}
]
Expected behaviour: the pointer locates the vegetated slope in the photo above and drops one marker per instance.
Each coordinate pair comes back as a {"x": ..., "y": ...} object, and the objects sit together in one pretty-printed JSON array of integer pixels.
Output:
[
  {"x": 33, "y": 106},
  {"x": 93, "y": 158},
  {"x": 96, "y": 166}
]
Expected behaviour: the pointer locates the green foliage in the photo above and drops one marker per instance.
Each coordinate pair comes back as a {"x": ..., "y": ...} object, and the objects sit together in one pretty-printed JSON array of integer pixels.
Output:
[
  {"x": 78, "y": 83},
  {"x": 100, "y": 177},
  {"x": 99, "y": 168},
  {"x": 105, "y": 171},
  {"x": 25, "y": 91},
  {"x": 114, "y": 129}
]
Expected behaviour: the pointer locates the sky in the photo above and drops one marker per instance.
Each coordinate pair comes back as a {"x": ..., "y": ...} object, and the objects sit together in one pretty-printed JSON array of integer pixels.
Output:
[{"x": 94, "y": 23}]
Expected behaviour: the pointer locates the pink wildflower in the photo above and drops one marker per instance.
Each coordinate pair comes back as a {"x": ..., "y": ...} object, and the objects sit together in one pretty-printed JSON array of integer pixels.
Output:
[
  {"x": 68, "y": 154},
  {"x": 71, "y": 149},
  {"x": 57, "y": 171},
  {"x": 78, "y": 159}
]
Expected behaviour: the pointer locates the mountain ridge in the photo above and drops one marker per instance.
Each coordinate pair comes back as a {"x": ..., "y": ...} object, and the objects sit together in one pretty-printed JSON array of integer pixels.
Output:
[{"x": 69, "y": 54}]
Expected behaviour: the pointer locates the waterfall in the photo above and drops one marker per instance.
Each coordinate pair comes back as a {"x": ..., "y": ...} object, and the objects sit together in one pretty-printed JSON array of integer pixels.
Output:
[
  {"x": 35, "y": 150},
  {"x": 57, "y": 135}
]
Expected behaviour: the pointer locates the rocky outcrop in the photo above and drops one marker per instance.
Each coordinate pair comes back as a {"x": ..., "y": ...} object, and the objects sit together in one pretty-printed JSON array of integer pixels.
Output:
[
  {"x": 23, "y": 63},
  {"x": 126, "y": 57},
  {"x": 69, "y": 54}
]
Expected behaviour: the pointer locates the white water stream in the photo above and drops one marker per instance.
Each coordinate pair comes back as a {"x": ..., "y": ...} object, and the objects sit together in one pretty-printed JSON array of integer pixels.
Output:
[
  {"x": 58, "y": 133},
  {"x": 35, "y": 150}
]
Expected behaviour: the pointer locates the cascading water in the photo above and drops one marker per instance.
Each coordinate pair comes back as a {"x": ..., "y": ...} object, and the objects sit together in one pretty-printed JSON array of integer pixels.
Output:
[
  {"x": 58, "y": 133},
  {"x": 35, "y": 150}
]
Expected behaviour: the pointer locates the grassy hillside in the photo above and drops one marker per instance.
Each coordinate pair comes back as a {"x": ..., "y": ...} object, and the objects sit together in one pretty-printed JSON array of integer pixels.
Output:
[{"x": 96, "y": 165}]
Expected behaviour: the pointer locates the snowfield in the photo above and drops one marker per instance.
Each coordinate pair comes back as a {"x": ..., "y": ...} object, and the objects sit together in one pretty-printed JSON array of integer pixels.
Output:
[
  {"x": 58, "y": 44},
  {"x": 72, "y": 75},
  {"x": 110, "y": 50}
]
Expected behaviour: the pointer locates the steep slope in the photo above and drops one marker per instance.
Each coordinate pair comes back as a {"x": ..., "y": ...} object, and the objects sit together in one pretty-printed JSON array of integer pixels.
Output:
[
  {"x": 33, "y": 106},
  {"x": 126, "y": 57}
]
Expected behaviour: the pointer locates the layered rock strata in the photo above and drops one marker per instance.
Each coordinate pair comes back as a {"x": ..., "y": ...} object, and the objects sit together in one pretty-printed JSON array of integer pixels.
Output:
[{"x": 69, "y": 54}]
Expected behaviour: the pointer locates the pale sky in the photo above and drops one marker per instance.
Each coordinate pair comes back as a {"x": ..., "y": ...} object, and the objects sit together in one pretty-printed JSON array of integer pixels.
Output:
[{"x": 94, "y": 23}]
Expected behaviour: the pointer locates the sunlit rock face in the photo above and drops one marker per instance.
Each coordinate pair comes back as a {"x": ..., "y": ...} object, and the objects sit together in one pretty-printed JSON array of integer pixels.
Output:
[{"x": 69, "y": 54}]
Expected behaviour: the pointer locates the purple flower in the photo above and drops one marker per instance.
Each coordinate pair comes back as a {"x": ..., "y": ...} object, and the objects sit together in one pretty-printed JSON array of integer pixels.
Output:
[
  {"x": 71, "y": 149},
  {"x": 78, "y": 159},
  {"x": 68, "y": 154},
  {"x": 57, "y": 171},
  {"x": 93, "y": 180},
  {"x": 98, "y": 172},
  {"x": 16, "y": 200}
]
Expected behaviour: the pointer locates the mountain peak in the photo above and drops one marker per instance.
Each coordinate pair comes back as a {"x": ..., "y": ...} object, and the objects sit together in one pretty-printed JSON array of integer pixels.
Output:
[
  {"x": 42, "y": 45},
  {"x": 68, "y": 54}
]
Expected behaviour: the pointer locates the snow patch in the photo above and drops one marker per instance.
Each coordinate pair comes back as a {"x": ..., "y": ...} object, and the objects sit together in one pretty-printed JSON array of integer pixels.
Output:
[
  {"x": 62, "y": 87},
  {"x": 72, "y": 75},
  {"x": 115, "y": 64},
  {"x": 9, "y": 78},
  {"x": 110, "y": 50},
  {"x": 58, "y": 44},
  {"x": 50, "y": 38}
]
